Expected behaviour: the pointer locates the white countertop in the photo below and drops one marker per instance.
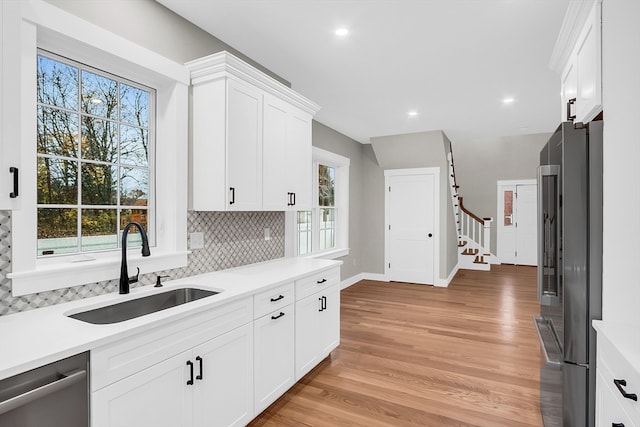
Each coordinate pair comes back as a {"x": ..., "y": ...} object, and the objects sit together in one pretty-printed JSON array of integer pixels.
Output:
[
  {"x": 36, "y": 337},
  {"x": 625, "y": 338}
]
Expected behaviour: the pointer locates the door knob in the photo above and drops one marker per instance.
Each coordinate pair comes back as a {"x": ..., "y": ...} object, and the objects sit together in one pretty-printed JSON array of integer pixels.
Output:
[{"x": 430, "y": 235}]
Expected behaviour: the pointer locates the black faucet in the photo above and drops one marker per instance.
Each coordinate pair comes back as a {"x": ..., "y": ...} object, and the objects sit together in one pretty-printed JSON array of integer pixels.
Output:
[{"x": 124, "y": 274}]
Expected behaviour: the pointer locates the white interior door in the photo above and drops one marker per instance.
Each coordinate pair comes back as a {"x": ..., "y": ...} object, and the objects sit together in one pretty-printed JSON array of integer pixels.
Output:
[
  {"x": 517, "y": 222},
  {"x": 526, "y": 225},
  {"x": 411, "y": 228}
]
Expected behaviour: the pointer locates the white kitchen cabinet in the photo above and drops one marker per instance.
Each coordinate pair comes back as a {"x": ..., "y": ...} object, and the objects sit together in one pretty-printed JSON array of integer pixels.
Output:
[
  {"x": 199, "y": 370},
  {"x": 226, "y": 156},
  {"x": 287, "y": 156},
  {"x": 223, "y": 389},
  {"x": 274, "y": 356},
  {"x": 251, "y": 139},
  {"x": 10, "y": 95},
  {"x": 317, "y": 328},
  {"x": 581, "y": 76},
  {"x": 209, "y": 385}
]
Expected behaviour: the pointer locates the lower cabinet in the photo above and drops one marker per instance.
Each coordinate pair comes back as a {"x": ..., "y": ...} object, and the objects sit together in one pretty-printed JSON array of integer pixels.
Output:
[
  {"x": 274, "y": 356},
  {"x": 208, "y": 385},
  {"x": 317, "y": 328}
]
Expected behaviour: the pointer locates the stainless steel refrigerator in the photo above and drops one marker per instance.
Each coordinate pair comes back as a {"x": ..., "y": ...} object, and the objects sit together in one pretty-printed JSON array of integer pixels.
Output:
[{"x": 569, "y": 272}]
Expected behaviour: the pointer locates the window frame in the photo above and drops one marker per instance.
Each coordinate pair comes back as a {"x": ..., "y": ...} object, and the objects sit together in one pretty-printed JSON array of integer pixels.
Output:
[
  {"x": 42, "y": 25},
  {"x": 341, "y": 166},
  {"x": 118, "y": 206}
]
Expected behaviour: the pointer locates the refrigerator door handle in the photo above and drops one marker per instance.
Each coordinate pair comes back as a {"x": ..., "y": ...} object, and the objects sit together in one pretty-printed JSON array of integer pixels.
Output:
[
  {"x": 548, "y": 235},
  {"x": 548, "y": 342}
]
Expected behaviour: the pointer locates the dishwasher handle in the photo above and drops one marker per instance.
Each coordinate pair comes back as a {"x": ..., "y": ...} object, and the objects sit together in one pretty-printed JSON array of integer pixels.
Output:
[{"x": 45, "y": 390}]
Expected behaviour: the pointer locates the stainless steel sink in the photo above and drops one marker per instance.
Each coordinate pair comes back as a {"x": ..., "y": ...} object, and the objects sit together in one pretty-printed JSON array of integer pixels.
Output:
[{"x": 139, "y": 307}]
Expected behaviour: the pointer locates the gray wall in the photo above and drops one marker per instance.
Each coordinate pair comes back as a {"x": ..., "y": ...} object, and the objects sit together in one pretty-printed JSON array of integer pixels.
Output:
[
  {"x": 480, "y": 163},
  {"x": 330, "y": 140},
  {"x": 417, "y": 150},
  {"x": 372, "y": 221},
  {"x": 155, "y": 27}
]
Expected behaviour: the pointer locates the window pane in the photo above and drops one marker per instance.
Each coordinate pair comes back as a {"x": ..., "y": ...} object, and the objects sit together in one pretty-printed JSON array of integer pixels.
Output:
[
  {"x": 57, "y": 83},
  {"x": 134, "y": 187},
  {"x": 99, "y": 95},
  {"x": 508, "y": 207},
  {"x": 134, "y": 215},
  {"x": 134, "y": 106},
  {"x": 57, "y": 132},
  {"x": 57, "y": 181},
  {"x": 327, "y": 228},
  {"x": 99, "y": 140},
  {"x": 326, "y": 185},
  {"x": 99, "y": 229},
  {"x": 304, "y": 232},
  {"x": 57, "y": 231},
  {"x": 133, "y": 145},
  {"x": 99, "y": 184}
]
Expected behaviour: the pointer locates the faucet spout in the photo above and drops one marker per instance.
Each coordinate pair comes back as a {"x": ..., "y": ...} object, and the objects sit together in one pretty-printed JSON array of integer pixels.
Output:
[{"x": 125, "y": 280}]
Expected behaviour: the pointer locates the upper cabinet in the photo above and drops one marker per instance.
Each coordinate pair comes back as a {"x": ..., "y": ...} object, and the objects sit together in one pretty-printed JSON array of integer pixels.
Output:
[
  {"x": 578, "y": 59},
  {"x": 250, "y": 139},
  {"x": 10, "y": 86}
]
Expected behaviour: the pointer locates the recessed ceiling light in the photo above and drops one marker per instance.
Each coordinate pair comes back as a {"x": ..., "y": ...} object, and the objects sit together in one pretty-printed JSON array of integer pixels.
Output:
[
  {"x": 342, "y": 32},
  {"x": 508, "y": 101},
  {"x": 412, "y": 113}
]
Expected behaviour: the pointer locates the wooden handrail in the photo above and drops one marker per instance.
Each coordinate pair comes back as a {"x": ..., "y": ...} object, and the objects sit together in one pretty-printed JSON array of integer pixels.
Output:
[
  {"x": 471, "y": 214},
  {"x": 453, "y": 167}
]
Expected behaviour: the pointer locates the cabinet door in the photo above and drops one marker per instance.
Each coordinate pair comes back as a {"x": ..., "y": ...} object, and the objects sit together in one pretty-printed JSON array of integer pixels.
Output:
[
  {"x": 10, "y": 94},
  {"x": 274, "y": 356},
  {"x": 307, "y": 327},
  {"x": 244, "y": 148},
  {"x": 569, "y": 90},
  {"x": 299, "y": 163},
  {"x": 155, "y": 397},
  {"x": 588, "y": 62},
  {"x": 274, "y": 154},
  {"x": 330, "y": 321},
  {"x": 223, "y": 396}
]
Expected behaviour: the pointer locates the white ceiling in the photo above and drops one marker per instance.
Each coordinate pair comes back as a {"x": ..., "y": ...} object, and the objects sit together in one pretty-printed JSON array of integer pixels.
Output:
[{"x": 453, "y": 61}]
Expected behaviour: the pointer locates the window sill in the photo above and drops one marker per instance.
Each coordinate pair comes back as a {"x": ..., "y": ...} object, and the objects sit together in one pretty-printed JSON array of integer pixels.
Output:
[
  {"x": 330, "y": 254},
  {"x": 66, "y": 273}
]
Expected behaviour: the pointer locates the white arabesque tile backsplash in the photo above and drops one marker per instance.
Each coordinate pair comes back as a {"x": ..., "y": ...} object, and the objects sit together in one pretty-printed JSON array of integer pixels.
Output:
[{"x": 231, "y": 239}]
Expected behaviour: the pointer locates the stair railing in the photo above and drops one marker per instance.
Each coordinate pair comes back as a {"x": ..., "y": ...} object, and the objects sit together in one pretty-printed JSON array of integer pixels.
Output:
[{"x": 475, "y": 228}]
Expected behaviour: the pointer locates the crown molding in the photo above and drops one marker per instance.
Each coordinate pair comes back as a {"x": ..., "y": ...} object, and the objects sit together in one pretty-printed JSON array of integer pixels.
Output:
[
  {"x": 223, "y": 64},
  {"x": 574, "y": 20}
]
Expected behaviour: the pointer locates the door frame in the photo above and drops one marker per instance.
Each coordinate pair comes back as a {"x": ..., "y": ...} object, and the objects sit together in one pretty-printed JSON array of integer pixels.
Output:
[
  {"x": 499, "y": 207},
  {"x": 435, "y": 172}
]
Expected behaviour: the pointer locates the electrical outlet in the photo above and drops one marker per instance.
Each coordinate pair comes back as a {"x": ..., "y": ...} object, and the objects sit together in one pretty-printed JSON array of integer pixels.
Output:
[
  {"x": 267, "y": 234},
  {"x": 196, "y": 240}
]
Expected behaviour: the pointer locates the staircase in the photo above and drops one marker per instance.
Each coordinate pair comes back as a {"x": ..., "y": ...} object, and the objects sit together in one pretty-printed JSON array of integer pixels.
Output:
[{"x": 474, "y": 233}]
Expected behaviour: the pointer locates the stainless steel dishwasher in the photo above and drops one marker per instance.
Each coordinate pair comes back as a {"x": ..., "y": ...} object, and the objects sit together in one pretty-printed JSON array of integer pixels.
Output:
[{"x": 54, "y": 395}]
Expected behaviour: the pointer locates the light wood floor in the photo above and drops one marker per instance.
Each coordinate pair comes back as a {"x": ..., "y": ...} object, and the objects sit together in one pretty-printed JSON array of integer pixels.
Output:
[{"x": 415, "y": 355}]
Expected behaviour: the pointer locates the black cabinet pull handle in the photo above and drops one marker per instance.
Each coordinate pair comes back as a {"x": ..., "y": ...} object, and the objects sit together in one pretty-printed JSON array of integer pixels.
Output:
[
  {"x": 233, "y": 195},
  {"x": 617, "y": 424},
  {"x": 571, "y": 102},
  {"x": 190, "y": 365},
  {"x": 321, "y": 304},
  {"x": 324, "y": 303},
  {"x": 278, "y": 316},
  {"x": 294, "y": 199},
  {"x": 622, "y": 383},
  {"x": 277, "y": 299},
  {"x": 199, "y": 359},
  {"x": 14, "y": 193},
  {"x": 319, "y": 282},
  {"x": 289, "y": 203}
]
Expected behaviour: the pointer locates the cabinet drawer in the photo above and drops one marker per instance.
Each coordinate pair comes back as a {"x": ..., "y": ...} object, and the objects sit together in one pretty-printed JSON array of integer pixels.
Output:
[
  {"x": 273, "y": 299},
  {"x": 613, "y": 366},
  {"x": 609, "y": 409},
  {"x": 316, "y": 282},
  {"x": 113, "y": 362}
]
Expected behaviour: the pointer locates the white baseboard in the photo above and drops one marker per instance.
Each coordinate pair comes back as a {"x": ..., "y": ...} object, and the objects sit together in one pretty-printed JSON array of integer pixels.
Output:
[
  {"x": 362, "y": 276},
  {"x": 443, "y": 283}
]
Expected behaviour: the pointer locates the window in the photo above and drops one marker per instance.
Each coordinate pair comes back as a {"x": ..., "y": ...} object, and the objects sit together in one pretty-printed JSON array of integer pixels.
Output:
[
  {"x": 324, "y": 229},
  {"x": 94, "y": 138},
  {"x": 41, "y": 28}
]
